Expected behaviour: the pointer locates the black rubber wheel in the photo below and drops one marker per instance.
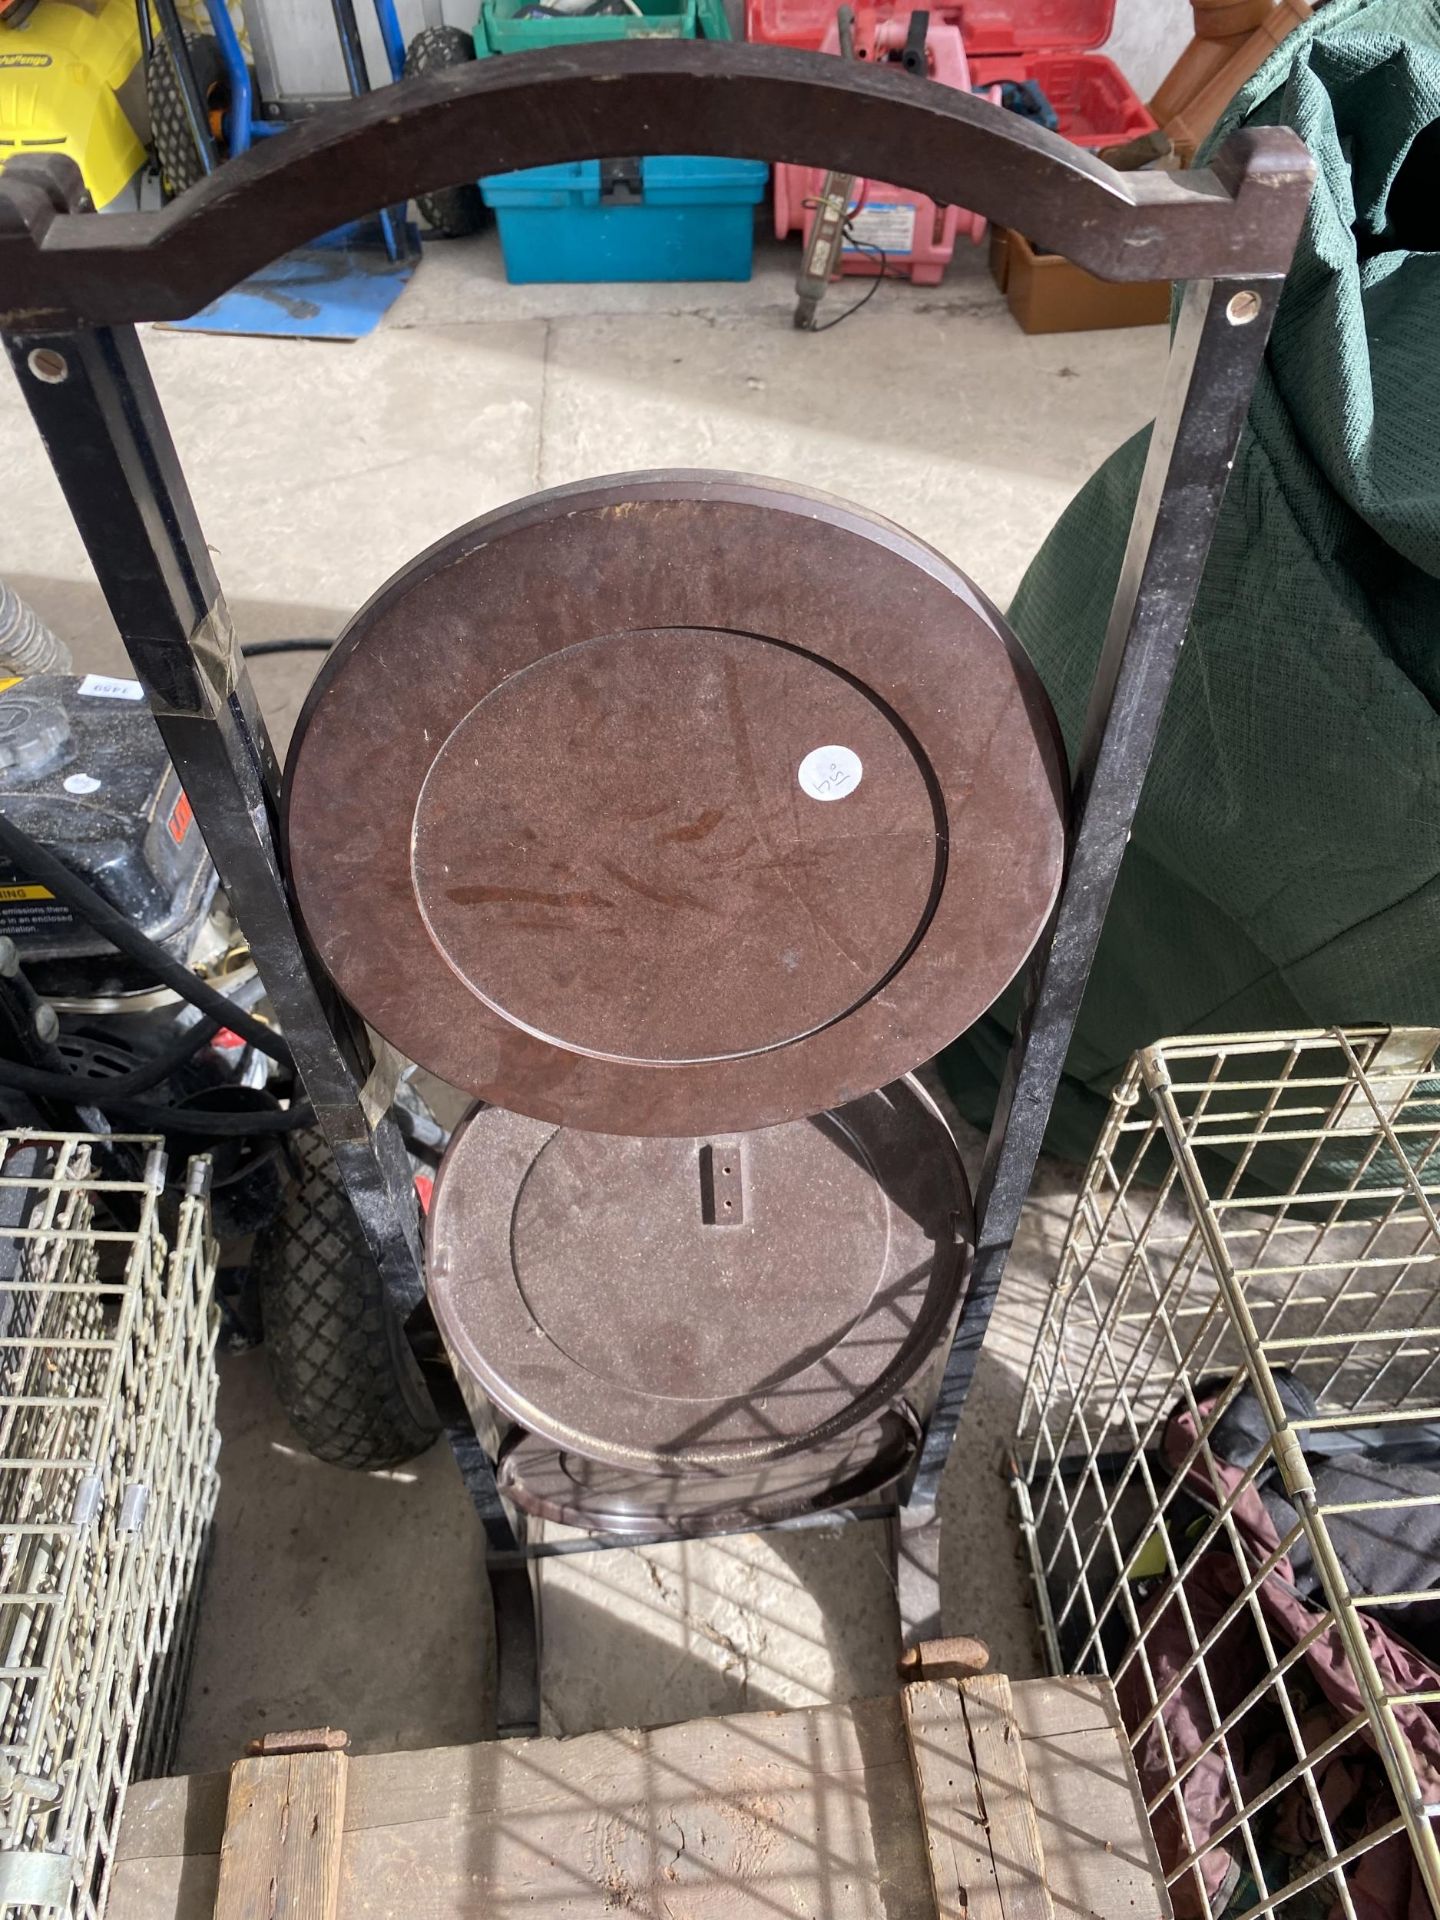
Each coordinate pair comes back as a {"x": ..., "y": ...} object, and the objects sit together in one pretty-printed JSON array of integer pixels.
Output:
[
  {"x": 453, "y": 211},
  {"x": 342, "y": 1367},
  {"x": 175, "y": 152}
]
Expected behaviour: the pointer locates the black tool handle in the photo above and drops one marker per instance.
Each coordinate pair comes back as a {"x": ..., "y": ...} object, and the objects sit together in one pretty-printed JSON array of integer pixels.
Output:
[{"x": 913, "y": 56}]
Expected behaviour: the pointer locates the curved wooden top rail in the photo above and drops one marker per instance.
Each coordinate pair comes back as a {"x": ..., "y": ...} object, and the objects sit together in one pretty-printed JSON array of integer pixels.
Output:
[{"x": 60, "y": 269}]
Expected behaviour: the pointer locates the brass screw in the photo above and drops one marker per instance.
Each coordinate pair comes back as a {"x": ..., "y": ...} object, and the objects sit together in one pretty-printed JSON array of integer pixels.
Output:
[
  {"x": 1243, "y": 308},
  {"x": 48, "y": 365}
]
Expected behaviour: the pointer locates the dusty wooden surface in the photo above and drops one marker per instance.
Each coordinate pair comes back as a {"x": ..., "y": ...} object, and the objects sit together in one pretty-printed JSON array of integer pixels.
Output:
[
  {"x": 1002, "y": 1782},
  {"x": 762, "y": 1816},
  {"x": 962, "y": 1874},
  {"x": 972, "y": 1786},
  {"x": 284, "y": 1830}
]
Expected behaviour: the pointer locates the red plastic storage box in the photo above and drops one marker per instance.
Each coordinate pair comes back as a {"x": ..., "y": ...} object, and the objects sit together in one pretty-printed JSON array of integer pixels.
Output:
[
  {"x": 1048, "y": 41},
  {"x": 790, "y": 23},
  {"x": 1051, "y": 42}
]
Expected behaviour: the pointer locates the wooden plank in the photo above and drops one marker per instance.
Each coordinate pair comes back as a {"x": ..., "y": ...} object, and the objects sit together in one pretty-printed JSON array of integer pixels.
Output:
[
  {"x": 181, "y": 1815},
  {"x": 280, "y": 1855},
  {"x": 1006, "y": 1808},
  {"x": 947, "y": 1793},
  {"x": 810, "y": 1812},
  {"x": 1097, "y": 1841},
  {"x": 733, "y": 1819}
]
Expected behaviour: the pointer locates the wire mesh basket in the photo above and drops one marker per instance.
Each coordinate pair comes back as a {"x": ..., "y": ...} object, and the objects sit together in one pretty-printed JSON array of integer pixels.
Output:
[
  {"x": 107, "y": 1485},
  {"x": 1227, "y": 1469}
]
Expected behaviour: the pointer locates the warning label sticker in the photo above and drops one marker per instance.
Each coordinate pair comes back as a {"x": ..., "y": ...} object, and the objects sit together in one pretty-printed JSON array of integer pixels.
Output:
[
  {"x": 29, "y": 909},
  {"x": 887, "y": 224}
]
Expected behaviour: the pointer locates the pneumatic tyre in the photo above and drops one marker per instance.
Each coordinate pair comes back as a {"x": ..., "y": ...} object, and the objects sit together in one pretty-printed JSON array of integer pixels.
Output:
[
  {"x": 342, "y": 1367},
  {"x": 176, "y": 156},
  {"x": 453, "y": 211}
]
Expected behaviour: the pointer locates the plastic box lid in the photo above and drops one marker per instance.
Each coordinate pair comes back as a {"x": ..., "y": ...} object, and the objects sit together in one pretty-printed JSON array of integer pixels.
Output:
[
  {"x": 677, "y": 179},
  {"x": 501, "y": 29},
  {"x": 685, "y": 180},
  {"x": 991, "y": 28},
  {"x": 1032, "y": 26},
  {"x": 713, "y": 996}
]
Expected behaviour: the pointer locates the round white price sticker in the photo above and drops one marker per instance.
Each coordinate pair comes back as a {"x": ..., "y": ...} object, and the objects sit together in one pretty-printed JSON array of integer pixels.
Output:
[{"x": 830, "y": 773}]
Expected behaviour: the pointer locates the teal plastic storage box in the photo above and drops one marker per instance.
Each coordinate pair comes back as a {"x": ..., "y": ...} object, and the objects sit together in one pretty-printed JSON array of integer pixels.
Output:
[{"x": 692, "y": 219}]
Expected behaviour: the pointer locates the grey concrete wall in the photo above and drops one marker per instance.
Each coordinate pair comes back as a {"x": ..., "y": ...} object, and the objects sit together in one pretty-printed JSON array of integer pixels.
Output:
[{"x": 1149, "y": 36}]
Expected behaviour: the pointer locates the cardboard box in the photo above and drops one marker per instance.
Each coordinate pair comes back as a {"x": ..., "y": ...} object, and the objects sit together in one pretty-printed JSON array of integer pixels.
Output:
[{"x": 1050, "y": 294}]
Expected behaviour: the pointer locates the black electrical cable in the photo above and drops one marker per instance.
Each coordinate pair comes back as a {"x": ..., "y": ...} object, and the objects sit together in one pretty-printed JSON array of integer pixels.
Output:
[
  {"x": 258, "y": 649},
  {"x": 107, "y": 1087},
  {"x": 111, "y": 1095},
  {"x": 884, "y": 273},
  {"x": 248, "y": 1165},
  {"x": 40, "y": 865}
]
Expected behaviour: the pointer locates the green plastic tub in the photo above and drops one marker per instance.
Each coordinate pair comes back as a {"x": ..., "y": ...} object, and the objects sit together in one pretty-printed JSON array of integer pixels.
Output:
[{"x": 500, "y": 30}]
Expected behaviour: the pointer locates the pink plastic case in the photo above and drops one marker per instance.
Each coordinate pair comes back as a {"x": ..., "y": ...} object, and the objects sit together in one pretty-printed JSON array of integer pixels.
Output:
[
  {"x": 972, "y": 43},
  {"x": 893, "y": 228}
]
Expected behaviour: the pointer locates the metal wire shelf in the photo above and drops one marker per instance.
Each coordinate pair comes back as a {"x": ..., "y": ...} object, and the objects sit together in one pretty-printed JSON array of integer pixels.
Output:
[
  {"x": 108, "y": 1448},
  {"x": 1229, "y": 1442}
]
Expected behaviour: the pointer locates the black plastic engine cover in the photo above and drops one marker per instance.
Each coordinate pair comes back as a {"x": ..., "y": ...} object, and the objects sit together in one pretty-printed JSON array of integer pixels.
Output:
[{"x": 83, "y": 770}]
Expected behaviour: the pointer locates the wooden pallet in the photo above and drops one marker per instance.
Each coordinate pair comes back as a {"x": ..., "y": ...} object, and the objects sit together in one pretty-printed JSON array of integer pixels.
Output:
[{"x": 950, "y": 1799}]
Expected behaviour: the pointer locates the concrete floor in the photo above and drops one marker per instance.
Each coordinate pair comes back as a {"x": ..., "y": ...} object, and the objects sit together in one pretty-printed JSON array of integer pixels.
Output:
[{"x": 319, "y": 469}]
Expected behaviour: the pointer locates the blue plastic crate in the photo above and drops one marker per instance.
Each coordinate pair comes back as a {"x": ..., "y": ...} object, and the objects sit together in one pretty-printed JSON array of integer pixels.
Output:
[{"x": 694, "y": 219}]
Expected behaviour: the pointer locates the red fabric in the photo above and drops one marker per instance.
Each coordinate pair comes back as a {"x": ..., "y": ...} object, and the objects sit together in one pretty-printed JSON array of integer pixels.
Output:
[{"x": 1354, "y": 1790}]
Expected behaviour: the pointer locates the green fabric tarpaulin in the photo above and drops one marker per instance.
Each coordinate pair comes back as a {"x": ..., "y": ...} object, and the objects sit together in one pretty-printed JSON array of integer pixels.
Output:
[{"x": 1285, "y": 868}]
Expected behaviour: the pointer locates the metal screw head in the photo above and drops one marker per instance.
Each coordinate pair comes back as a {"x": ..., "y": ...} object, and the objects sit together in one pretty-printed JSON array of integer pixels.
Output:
[
  {"x": 48, "y": 365},
  {"x": 1243, "y": 308}
]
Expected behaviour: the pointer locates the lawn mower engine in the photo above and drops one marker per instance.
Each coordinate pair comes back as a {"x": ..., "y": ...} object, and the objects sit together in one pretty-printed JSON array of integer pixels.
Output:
[
  {"x": 84, "y": 773},
  {"x": 97, "y": 839}
]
